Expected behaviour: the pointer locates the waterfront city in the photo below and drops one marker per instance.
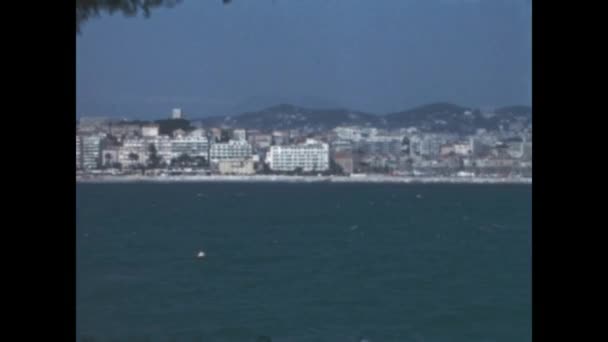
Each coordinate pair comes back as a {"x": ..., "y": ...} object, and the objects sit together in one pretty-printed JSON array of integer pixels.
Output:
[{"x": 179, "y": 149}]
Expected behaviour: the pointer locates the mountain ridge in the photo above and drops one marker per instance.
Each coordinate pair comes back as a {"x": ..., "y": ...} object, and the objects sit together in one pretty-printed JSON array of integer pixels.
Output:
[{"x": 437, "y": 116}]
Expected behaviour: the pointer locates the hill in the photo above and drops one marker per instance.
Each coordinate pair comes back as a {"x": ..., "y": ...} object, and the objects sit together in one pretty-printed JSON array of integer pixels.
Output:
[{"x": 434, "y": 117}]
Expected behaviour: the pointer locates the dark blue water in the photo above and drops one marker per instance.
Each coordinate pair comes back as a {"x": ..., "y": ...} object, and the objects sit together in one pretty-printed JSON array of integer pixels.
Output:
[{"x": 303, "y": 262}]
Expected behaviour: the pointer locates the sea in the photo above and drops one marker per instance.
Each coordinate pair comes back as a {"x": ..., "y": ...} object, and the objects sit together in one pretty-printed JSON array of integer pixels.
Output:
[{"x": 303, "y": 262}]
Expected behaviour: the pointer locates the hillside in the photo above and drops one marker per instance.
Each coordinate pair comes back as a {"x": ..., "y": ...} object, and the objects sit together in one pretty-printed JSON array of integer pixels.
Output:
[{"x": 434, "y": 117}]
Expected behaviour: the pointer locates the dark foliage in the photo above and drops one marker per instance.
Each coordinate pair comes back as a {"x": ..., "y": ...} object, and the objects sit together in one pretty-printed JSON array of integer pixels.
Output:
[
  {"x": 87, "y": 9},
  {"x": 167, "y": 126}
]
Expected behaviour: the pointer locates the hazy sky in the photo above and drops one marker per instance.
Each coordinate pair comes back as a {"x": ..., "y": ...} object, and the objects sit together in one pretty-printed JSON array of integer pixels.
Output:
[{"x": 376, "y": 56}]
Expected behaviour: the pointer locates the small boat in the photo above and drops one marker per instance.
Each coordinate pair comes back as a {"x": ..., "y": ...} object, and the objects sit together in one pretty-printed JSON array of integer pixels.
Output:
[{"x": 200, "y": 254}]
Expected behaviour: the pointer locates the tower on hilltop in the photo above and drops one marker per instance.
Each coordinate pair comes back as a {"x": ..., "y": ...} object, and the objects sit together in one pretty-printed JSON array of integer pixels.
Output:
[{"x": 177, "y": 113}]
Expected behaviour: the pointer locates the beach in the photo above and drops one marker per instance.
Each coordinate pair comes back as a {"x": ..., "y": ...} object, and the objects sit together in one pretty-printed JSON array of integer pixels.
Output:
[{"x": 298, "y": 179}]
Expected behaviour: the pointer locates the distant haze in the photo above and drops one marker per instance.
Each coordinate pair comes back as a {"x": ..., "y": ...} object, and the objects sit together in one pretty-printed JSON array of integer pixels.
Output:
[{"x": 374, "y": 56}]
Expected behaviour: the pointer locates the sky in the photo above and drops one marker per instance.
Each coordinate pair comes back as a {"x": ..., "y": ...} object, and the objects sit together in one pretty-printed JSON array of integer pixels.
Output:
[{"x": 374, "y": 56}]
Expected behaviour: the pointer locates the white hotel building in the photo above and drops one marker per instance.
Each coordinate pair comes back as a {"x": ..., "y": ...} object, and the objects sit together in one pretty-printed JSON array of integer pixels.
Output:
[
  {"x": 232, "y": 149},
  {"x": 137, "y": 146},
  {"x": 91, "y": 151},
  {"x": 310, "y": 156},
  {"x": 192, "y": 145},
  {"x": 141, "y": 147}
]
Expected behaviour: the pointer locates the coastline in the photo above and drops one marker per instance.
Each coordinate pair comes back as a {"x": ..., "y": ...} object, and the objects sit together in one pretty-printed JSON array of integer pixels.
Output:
[{"x": 298, "y": 179}]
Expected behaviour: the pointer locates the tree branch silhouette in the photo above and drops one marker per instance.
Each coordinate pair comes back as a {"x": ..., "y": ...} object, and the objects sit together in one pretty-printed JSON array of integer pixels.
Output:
[{"x": 87, "y": 9}]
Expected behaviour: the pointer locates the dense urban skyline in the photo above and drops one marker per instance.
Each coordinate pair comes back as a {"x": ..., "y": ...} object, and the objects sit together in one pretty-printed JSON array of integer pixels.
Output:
[{"x": 377, "y": 57}]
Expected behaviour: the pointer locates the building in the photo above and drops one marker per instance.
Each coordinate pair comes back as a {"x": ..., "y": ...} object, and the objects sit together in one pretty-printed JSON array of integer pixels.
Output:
[
  {"x": 239, "y": 135},
  {"x": 78, "y": 153},
  {"x": 216, "y": 134},
  {"x": 164, "y": 148},
  {"x": 515, "y": 150},
  {"x": 345, "y": 161},
  {"x": 230, "y": 150},
  {"x": 280, "y": 138},
  {"x": 133, "y": 151},
  {"x": 125, "y": 130},
  {"x": 446, "y": 150},
  {"x": 430, "y": 146},
  {"x": 379, "y": 163},
  {"x": 149, "y": 131},
  {"x": 513, "y": 146},
  {"x": 93, "y": 125},
  {"x": 260, "y": 141},
  {"x": 465, "y": 174},
  {"x": 236, "y": 166},
  {"x": 348, "y": 133},
  {"x": 136, "y": 151},
  {"x": 414, "y": 147},
  {"x": 91, "y": 150},
  {"x": 109, "y": 156},
  {"x": 192, "y": 145},
  {"x": 199, "y": 132},
  {"x": 480, "y": 147},
  {"x": 176, "y": 113},
  {"x": 341, "y": 146},
  {"x": 405, "y": 145},
  {"x": 494, "y": 163},
  {"x": 178, "y": 133},
  {"x": 310, "y": 156},
  {"x": 463, "y": 149},
  {"x": 381, "y": 145},
  {"x": 527, "y": 150}
]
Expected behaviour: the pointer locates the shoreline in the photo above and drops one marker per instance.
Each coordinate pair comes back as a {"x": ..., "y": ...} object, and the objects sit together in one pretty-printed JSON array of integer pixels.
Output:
[{"x": 298, "y": 179}]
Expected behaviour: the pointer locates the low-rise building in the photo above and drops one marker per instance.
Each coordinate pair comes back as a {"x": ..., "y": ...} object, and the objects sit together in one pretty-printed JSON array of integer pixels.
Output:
[
  {"x": 494, "y": 163},
  {"x": 260, "y": 141},
  {"x": 345, "y": 161},
  {"x": 216, "y": 134},
  {"x": 93, "y": 125},
  {"x": 239, "y": 135},
  {"x": 236, "y": 166},
  {"x": 341, "y": 146},
  {"x": 280, "y": 138},
  {"x": 446, "y": 150},
  {"x": 348, "y": 133},
  {"x": 463, "y": 149},
  {"x": 178, "y": 133},
  {"x": 110, "y": 156},
  {"x": 308, "y": 157},
  {"x": 123, "y": 130},
  {"x": 198, "y": 132},
  {"x": 380, "y": 145},
  {"x": 149, "y": 130}
]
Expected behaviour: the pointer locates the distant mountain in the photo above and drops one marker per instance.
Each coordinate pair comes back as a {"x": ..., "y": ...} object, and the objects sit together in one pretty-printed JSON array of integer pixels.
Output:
[
  {"x": 441, "y": 116},
  {"x": 286, "y": 116},
  {"x": 435, "y": 117},
  {"x": 256, "y": 103},
  {"x": 514, "y": 111}
]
